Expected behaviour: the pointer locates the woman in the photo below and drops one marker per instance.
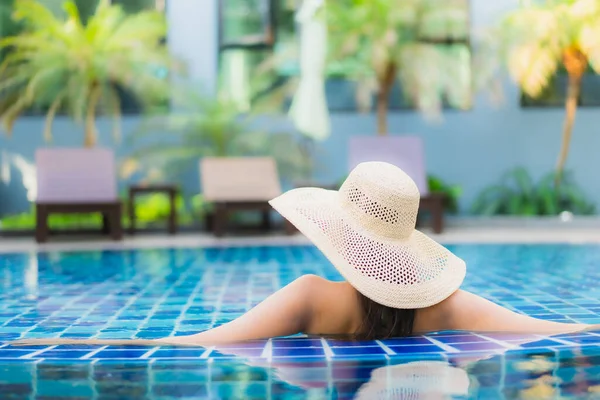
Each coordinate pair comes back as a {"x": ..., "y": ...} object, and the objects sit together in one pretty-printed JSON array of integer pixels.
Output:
[{"x": 398, "y": 281}]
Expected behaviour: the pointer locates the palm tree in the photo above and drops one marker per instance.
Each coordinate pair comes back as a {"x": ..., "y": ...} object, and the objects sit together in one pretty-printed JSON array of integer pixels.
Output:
[
  {"x": 538, "y": 38},
  {"x": 378, "y": 42},
  {"x": 60, "y": 63}
]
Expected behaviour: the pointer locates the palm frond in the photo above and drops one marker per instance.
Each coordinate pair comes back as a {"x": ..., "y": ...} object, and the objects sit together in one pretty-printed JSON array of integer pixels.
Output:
[
  {"x": 74, "y": 19},
  {"x": 589, "y": 43},
  {"x": 14, "y": 80},
  {"x": 531, "y": 41},
  {"x": 51, "y": 114},
  {"x": 533, "y": 66},
  {"x": 103, "y": 23},
  {"x": 147, "y": 27},
  {"x": 38, "y": 79},
  {"x": 35, "y": 15},
  {"x": 12, "y": 113}
]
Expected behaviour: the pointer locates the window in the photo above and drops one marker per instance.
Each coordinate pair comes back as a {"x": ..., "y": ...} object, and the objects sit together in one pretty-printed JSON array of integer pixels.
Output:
[
  {"x": 129, "y": 105},
  {"x": 253, "y": 33},
  {"x": 555, "y": 94},
  {"x": 247, "y": 24}
]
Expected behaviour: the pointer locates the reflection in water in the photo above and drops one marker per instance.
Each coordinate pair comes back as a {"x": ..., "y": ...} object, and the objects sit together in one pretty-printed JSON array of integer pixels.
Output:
[
  {"x": 416, "y": 380},
  {"x": 522, "y": 373},
  {"x": 512, "y": 376},
  {"x": 31, "y": 277},
  {"x": 372, "y": 381}
]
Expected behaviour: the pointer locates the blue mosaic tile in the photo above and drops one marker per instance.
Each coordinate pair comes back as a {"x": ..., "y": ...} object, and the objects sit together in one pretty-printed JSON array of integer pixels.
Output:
[
  {"x": 14, "y": 353},
  {"x": 282, "y": 343},
  {"x": 591, "y": 339},
  {"x": 406, "y": 341},
  {"x": 251, "y": 354},
  {"x": 63, "y": 354},
  {"x": 461, "y": 339},
  {"x": 298, "y": 352},
  {"x": 478, "y": 346},
  {"x": 347, "y": 351},
  {"x": 120, "y": 354},
  {"x": 178, "y": 353},
  {"x": 416, "y": 349}
]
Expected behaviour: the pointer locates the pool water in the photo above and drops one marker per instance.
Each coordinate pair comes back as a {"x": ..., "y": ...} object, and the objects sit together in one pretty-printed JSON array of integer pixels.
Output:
[{"x": 157, "y": 293}]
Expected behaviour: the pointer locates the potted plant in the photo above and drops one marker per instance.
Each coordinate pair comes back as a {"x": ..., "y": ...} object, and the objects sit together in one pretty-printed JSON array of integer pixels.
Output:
[
  {"x": 390, "y": 41},
  {"x": 539, "y": 38},
  {"x": 63, "y": 64}
]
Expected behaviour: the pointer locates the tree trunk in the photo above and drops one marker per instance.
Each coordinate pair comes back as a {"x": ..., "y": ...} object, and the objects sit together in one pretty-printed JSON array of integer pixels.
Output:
[
  {"x": 386, "y": 82},
  {"x": 575, "y": 63},
  {"x": 90, "y": 119},
  {"x": 90, "y": 138}
]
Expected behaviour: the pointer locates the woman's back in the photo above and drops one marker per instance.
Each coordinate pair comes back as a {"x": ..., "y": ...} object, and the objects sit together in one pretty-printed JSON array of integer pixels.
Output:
[{"x": 335, "y": 307}]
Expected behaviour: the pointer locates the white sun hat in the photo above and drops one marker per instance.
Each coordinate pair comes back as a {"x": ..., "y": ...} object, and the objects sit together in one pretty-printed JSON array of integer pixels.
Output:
[{"x": 367, "y": 231}]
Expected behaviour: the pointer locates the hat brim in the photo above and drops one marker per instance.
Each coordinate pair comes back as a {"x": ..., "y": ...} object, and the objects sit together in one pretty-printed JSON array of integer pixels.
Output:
[{"x": 318, "y": 214}]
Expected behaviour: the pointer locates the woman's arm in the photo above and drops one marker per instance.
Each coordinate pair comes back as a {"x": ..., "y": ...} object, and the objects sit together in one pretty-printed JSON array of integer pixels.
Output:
[
  {"x": 465, "y": 311},
  {"x": 288, "y": 311}
]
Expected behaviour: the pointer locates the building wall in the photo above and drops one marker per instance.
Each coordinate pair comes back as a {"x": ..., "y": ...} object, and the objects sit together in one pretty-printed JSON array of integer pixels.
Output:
[{"x": 471, "y": 148}]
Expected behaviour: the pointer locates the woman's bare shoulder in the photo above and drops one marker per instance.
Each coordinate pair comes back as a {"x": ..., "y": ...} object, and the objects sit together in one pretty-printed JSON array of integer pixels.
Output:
[
  {"x": 336, "y": 307},
  {"x": 322, "y": 285}
]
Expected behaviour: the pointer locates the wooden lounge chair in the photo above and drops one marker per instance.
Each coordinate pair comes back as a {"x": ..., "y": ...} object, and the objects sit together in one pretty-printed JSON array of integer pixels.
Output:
[
  {"x": 239, "y": 183},
  {"x": 405, "y": 152},
  {"x": 77, "y": 181}
]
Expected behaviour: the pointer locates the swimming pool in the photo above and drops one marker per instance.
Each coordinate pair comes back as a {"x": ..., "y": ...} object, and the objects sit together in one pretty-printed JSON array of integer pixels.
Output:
[{"x": 156, "y": 293}]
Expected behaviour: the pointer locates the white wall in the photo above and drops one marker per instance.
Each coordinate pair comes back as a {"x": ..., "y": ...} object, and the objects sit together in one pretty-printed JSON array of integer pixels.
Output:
[{"x": 193, "y": 37}]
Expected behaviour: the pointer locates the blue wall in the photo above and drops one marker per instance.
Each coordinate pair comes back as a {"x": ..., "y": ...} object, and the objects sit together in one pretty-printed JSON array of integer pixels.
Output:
[{"x": 470, "y": 148}]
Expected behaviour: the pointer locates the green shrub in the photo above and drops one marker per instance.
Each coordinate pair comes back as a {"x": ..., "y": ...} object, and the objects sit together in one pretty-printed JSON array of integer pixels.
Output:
[
  {"x": 150, "y": 210},
  {"x": 20, "y": 221},
  {"x": 517, "y": 194},
  {"x": 452, "y": 192}
]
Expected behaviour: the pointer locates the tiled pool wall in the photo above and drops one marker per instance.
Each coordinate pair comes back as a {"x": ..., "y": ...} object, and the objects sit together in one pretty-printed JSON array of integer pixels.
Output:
[{"x": 528, "y": 373}]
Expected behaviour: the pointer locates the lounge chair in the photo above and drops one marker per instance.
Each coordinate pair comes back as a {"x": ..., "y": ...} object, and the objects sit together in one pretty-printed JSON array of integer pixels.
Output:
[
  {"x": 239, "y": 183},
  {"x": 77, "y": 181},
  {"x": 405, "y": 152}
]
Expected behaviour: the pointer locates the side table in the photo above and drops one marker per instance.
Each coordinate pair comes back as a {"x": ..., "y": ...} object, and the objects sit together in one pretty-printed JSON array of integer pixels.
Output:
[{"x": 170, "y": 190}]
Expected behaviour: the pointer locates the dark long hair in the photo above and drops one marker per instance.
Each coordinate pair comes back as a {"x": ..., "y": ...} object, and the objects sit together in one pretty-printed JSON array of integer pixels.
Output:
[{"x": 382, "y": 322}]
